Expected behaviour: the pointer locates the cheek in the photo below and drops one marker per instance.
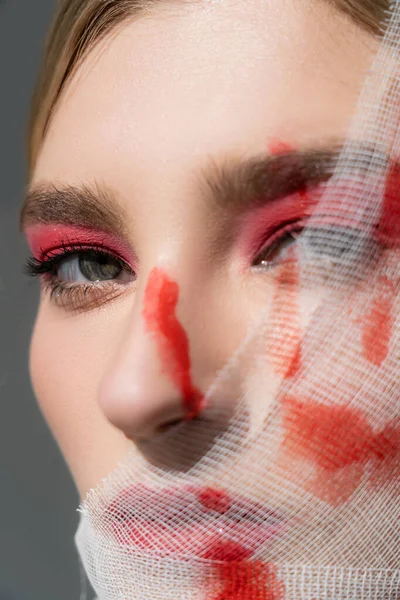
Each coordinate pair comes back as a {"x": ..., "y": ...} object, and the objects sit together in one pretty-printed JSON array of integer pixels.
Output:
[{"x": 65, "y": 383}]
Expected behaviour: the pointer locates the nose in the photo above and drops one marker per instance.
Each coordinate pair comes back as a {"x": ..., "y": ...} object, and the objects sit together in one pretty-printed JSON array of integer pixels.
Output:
[{"x": 149, "y": 386}]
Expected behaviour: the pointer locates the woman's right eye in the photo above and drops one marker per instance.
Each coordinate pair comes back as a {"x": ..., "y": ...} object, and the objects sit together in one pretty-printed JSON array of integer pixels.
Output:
[
  {"x": 91, "y": 267},
  {"x": 80, "y": 279}
]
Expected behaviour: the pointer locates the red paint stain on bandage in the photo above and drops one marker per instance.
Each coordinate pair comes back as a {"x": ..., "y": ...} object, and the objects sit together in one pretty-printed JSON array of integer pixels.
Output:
[
  {"x": 214, "y": 500},
  {"x": 378, "y": 322},
  {"x": 159, "y": 313},
  {"x": 286, "y": 352},
  {"x": 342, "y": 445},
  {"x": 388, "y": 229},
  {"x": 248, "y": 580}
]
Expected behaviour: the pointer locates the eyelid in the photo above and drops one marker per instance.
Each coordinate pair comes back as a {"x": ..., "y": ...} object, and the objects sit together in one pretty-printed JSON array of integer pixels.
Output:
[
  {"x": 292, "y": 227},
  {"x": 264, "y": 222},
  {"x": 44, "y": 239},
  {"x": 69, "y": 248}
]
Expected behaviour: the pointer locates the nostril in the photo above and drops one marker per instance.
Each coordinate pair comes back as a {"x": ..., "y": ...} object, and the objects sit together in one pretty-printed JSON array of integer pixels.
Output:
[
  {"x": 163, "y": 428},
  {"x": 167, "y": 426}
]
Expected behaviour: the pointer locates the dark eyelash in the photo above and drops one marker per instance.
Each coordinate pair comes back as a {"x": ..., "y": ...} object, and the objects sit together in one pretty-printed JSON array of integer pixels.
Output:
[
  {"x": 35, "y": 267},
  {"x": 80, "y": 297}
]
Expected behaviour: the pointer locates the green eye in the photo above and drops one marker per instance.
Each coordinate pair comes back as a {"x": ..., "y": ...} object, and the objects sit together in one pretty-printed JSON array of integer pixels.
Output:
[{"x": 99, "y": 268}]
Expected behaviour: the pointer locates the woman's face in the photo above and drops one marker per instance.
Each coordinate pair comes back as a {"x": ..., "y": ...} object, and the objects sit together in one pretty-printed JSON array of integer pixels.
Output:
[{"x": 166, "y": 151}]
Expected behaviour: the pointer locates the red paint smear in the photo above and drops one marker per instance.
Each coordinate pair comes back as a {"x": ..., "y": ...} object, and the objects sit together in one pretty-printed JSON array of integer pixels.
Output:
[
  {"x": 160, "y": 301},
  {"x": 214, "y": 500},
  {"x": 341, "y": 443},
  {"x": 43, "y": 239},
  {"x": 277, "y": 147},
  {"x": 378, "y": 322},
  {"x": 248, "y": 580},
  {"x": 196, "y": 538},
  {"x": 389, "y": 224},
  {"x": 286, "y": 355}
]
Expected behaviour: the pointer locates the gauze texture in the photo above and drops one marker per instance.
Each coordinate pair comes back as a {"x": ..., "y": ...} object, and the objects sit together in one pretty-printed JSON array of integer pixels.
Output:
[{"x": 296, "y": 495}]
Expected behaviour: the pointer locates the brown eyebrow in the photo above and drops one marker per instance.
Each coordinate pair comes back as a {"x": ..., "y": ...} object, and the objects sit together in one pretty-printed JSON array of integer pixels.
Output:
[
  {"x": 258, "y": 180},
  {"x": 94, "y": 207},
  {"x": 231, "y": 185}
]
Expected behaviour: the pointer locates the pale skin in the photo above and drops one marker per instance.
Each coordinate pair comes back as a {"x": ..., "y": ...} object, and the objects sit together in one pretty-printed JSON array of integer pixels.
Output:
[{"x": 145, "y": 113}]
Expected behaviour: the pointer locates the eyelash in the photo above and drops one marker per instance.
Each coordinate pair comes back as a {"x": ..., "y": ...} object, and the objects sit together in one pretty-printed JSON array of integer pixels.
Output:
[{"x": 81, "y": 296}]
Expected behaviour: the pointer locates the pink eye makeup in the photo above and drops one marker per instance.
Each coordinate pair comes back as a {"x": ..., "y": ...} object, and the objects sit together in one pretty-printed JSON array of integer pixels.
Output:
[
  {"x": 266, "y": 224},
  {"x": 104, "y": 264},
  {"x": 43, "y": 239}
]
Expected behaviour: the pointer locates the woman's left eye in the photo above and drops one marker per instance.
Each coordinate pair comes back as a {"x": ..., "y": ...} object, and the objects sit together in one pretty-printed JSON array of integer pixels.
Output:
[{"x": 277, "y": 251}]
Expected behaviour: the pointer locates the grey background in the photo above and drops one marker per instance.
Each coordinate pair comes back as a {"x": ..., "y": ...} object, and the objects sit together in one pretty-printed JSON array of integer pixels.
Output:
[{"x": 38, "y": 500}]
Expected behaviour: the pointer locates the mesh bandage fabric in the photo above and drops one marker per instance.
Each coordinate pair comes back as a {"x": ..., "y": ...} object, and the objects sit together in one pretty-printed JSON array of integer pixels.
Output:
[{"x": 299, "y": 499}]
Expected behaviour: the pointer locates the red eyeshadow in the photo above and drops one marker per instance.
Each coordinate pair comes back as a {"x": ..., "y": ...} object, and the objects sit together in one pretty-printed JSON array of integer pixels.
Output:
[
  {"x": 43, "y": 239},
  {"x": 160, "y": 301},
  {"x": 263, "y": 222}
]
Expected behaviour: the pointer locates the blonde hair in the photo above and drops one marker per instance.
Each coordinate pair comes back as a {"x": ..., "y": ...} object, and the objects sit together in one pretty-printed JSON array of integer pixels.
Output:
[{"x": 79, "y": 24}]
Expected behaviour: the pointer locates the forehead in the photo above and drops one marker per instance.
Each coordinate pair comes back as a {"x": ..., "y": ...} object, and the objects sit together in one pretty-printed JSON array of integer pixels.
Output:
[{"x": 204, "y": 79}]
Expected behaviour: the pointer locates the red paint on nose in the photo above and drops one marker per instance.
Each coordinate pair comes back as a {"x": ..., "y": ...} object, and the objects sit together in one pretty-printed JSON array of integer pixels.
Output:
[{"x": 159, "y": 313}]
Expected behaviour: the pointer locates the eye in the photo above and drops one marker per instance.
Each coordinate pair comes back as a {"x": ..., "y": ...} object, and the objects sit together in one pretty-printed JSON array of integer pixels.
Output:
[
  {"x": 90, "y": 267},
  {"x": 276, "y": 251},
  {"x": 326, "y": 247},
  {"x": 81, "y": 279}
]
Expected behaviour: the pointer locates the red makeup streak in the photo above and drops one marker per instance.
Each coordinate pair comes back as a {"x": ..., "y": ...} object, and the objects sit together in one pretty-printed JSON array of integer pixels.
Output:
[
  {"x": 160, "y": 301},
  {"x": 340, "y": 442},
  {"x": 248, "y": 580},
  {"x": 378, "y": 322},
  {"x": 43, "y": 239},
  {"x": 286, "y": 352}
]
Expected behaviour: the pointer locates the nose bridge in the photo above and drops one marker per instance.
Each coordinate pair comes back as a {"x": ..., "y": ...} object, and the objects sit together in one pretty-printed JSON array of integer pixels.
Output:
[{"x": 149, "y": 384}]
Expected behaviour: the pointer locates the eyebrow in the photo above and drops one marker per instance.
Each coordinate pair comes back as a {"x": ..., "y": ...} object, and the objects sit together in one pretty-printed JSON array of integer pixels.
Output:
[
  {"x": 240, "y": 184},
  {"x": 233, "y": 185},
  {"x": 91, "y": 206}
]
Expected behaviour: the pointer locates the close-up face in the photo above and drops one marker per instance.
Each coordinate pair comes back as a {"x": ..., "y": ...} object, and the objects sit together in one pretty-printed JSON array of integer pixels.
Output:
[{"x": 165, "y": 216}]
